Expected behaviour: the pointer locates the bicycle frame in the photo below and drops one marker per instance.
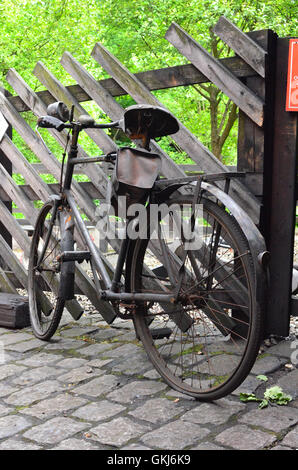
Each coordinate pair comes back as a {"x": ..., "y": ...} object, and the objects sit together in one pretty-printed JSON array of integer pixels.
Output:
[{"x": 111, "y": 286}]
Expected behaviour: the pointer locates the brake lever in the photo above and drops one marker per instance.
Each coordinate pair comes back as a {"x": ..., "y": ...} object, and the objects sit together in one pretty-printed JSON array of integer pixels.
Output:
[{"x": 38, "y": 133}]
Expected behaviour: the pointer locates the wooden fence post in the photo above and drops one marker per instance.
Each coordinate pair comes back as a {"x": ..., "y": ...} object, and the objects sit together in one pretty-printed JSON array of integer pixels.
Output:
[{"x": 280, "y": 205}]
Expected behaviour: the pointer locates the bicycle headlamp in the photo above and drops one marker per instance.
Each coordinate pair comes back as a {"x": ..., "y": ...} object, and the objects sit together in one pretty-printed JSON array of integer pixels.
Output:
[{"x": 58, "y": 110}]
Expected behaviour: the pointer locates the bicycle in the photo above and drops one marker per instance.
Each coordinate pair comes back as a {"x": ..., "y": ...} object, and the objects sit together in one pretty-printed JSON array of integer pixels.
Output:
[{"x": 196, "y": 302}]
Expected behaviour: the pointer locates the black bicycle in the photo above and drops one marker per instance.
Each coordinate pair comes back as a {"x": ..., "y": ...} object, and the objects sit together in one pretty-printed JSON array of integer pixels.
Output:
[{"x": 189, "y": 269}]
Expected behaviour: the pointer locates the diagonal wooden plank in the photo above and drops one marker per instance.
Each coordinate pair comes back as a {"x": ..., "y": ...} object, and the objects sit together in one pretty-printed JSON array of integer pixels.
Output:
[
  {"x": 12, "y": 261},
  {"x": 38, "y": 107},
  {"x": 9, "y": 257},
  {"x": 110, "y": 106},
  {"x": 17, "y": 195},
  {"x": 97, "y": 135},
  {"x": 157, "y": 79},
  {"x": 61, "y": 93},
  {"x": 87, "y": 187},
  {"x": 22, "y": 166},
  {"x": 6, "y": 285},
  {"x": 45, "y": 155},
  {"x": 25, "y": 205},
  {"x": 186, "y": 140},
  {"x": 225, "y": 80},
  {"x": 82, "y": 279},
  {"x": 243, "y": 45}
]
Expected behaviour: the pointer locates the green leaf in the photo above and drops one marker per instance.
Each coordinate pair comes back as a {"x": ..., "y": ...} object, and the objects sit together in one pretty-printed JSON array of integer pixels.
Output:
[
  {"x": 263, "y": 404},
  {"x": 248, "y": 397},
  {"x": 263, "y": 378},
  {"x": 275, "y": 394}
]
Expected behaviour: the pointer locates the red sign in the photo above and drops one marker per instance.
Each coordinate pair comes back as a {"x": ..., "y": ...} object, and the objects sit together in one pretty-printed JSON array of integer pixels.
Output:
[{"x": 292, "y": 86}]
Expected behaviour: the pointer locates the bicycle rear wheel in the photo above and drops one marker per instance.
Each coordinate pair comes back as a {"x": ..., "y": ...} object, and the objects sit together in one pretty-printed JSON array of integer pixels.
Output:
[
  {"x": 45, "y": 305},
  {"x": 205, "y": 344}
]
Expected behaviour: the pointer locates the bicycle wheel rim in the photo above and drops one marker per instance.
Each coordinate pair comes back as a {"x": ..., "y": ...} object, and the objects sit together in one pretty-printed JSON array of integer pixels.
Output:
[
  {"x": 43, "y": 282},
  {"x": 218, "y": 359}
]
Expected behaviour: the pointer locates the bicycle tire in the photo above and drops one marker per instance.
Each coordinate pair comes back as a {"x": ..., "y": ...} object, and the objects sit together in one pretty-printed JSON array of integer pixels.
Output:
[
  {"x": 209, "y": 359},
  {"x": 44, "y": 282}
]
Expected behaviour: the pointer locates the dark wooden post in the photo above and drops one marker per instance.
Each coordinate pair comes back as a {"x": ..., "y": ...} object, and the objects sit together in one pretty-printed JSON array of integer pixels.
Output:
[
  {"x": 280, "y": 200},
  {"x": 6, "y": 163}
]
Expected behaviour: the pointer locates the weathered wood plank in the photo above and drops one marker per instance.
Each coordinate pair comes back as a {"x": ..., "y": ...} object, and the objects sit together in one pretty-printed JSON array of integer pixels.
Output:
[
  {"x": 169, "y": 77},
  {"x": 44, "y": 154},
  {"x": 97, "y": 135},
  {"x": 79, "y": 169},
  {"x": 251, "y": 138},
  {"x": 185, "y": 139},
  {"x": 280, "y": 205},
  {"x": 60, "y": 93},
  {"x": 94, "y": 172},
  {"x": 17, "y": 195},
  {"x": 86, "y": 186},
  {"x": 5, "y": 283},
  {"x": 84, "y": 283},
  {"x": 242, "y": 44},
  {"x": 10, "y": 258},
  {"x": 13, "y": 263},
  {"x": 225, "y": 80},
  {"x": 22, "y": 166},
  {"x": 113, "y": 109}
]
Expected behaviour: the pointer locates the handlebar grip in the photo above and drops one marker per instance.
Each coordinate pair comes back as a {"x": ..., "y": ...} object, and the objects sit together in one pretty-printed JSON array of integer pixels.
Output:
[{"x": 51, "y": 122}]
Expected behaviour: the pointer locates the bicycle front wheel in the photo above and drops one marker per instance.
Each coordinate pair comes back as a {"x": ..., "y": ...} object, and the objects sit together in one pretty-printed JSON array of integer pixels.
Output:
[
  {"x": 204, "y": 344},
  {"x": 45, "y": 305}
]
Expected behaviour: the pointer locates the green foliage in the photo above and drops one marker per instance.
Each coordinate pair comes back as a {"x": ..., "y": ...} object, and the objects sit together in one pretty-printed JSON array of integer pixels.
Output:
[
  {"x": 41, "y": 30},
  {"x": 272, "y": 395},
  {"x": 263, "y": 378},
  {"x": 276, "y": 395}
]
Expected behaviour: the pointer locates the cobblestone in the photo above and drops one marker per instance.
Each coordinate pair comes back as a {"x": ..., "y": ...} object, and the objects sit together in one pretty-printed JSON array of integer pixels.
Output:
[
  {"x": 98, "y": 411},
  {"x": 158, "y": 410},
  {"x": 291, "y": 439},
  {"x": 213, "y": 413},
  {"x": 176, "y": 435},
  {"x": 242, "y": 437},
  {"x": 272, "y": 418},
  {"x": 289, "y": 383},
  {"x": 55, "y": 430},
  {"x": 136, "y": 390},
  {"x": 53, "y": 406},
  {"x": 93, "y": 387},
  {"x": 117, "y": 432},
  {"x": 12, "y": 424},
  {"x": 98, "y": 386}
]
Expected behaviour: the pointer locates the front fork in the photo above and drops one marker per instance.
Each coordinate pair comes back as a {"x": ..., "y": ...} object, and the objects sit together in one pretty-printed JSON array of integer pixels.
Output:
[{"x": 67, "y": 272}]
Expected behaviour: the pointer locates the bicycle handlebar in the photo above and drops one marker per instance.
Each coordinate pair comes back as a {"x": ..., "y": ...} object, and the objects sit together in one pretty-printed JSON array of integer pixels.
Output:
[{"x": 51, "y": 122}]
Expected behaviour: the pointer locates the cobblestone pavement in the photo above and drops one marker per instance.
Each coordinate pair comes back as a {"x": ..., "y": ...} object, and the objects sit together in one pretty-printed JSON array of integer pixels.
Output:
[{"x": 92, "y": 387}]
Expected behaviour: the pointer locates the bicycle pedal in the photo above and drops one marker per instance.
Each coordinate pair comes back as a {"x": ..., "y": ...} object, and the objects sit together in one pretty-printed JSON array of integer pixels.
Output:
[
  {"x": 160, "y": 333},
  {"x": 78, "y": 256}
]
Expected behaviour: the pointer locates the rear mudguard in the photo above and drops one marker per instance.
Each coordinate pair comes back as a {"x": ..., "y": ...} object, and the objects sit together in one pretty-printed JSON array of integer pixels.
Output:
[{"x": 254, "y": 238}]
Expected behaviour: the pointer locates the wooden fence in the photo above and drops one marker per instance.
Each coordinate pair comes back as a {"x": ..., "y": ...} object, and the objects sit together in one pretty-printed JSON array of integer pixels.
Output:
[{"x": 254, "y": 79}]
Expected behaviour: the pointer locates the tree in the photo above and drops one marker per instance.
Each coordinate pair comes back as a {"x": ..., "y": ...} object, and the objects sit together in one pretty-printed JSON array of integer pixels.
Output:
[{"x": 33, "y": 30}]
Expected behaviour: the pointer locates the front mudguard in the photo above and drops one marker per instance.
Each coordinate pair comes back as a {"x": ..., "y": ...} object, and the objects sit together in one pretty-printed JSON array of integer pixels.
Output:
[{"x": 67, "y": 273}]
